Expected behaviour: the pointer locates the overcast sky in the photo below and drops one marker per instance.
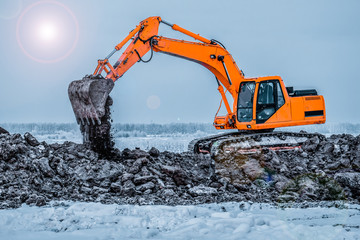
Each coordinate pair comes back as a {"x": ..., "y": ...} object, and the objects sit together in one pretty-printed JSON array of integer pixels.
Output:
[{"x": 310, "y": 44}]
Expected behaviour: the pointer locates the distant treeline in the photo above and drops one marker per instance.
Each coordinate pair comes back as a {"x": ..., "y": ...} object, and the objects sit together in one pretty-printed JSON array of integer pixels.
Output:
[
  {"x": 328, "y": 128},
  {"x": 130, "y": 129},
  {"x": 39, "y": 128}
]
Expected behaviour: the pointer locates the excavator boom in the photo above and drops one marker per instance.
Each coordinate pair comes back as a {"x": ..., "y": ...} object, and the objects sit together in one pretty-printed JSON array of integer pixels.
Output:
[{"x": 88, "y": 96}]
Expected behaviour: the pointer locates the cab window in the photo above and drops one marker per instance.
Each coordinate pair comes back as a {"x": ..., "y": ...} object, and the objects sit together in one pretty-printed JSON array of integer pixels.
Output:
[
  {"x": 245, "y": 101},
  {"x": 270, "y": 99}
]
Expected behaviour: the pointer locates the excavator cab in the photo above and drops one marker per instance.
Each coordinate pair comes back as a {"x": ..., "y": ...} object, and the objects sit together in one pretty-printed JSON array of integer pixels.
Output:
[
  {"x": 269, "y": 99},
  {"x": 265, "y": 103}
]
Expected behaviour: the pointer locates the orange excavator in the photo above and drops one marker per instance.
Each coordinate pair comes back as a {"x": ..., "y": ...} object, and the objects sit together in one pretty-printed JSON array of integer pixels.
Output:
[{"x": 259, "y": 104}]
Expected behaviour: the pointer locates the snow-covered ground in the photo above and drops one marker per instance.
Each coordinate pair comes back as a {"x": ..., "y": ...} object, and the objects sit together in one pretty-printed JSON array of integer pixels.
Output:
[
  {"x": 66, "y": 220},
  {"x": 164, "y": 142}
]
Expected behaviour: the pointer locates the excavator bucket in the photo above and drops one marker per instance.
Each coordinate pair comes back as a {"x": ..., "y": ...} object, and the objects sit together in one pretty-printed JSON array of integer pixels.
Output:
[{"x": 88, "y": 98}]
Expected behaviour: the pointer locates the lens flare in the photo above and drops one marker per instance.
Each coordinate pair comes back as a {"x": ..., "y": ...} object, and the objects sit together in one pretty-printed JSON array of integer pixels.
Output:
[
  {"x": 153, "y": 102},
  {"x": 47, "y": 31},
  {"x": 10, "y": 9}
]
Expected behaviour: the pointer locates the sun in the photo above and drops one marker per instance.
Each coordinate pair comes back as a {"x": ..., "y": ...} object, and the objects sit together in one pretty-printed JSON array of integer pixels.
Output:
[{"x": 47, "y": 32}]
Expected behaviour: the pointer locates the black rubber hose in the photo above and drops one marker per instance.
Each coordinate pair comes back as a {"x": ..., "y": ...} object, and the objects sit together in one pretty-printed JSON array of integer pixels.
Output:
[
  {"x": 152, "y": 51},
  {"x": 216, "y": 41}
]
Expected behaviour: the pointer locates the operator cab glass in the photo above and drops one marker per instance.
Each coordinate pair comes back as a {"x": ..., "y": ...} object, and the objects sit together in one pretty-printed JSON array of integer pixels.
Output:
[
  {"x": 245, "y": 101},
  {"x": 270, "y": 99}
]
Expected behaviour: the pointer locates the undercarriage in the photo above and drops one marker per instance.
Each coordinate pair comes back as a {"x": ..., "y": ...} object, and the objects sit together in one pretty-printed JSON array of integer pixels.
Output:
[{"x": 246, "y": 143}]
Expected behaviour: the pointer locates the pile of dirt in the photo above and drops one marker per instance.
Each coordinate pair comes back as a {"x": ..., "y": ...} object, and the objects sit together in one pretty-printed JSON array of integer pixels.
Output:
[{"x": 35, "y": 173}]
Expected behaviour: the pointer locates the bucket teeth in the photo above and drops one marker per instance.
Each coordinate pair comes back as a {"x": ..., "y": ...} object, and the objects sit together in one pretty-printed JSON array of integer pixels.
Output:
[{"x": 88, "y": 98}]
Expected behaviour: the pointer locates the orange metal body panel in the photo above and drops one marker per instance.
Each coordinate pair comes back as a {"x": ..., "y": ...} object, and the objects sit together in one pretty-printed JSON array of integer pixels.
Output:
[{"x": 218, "y": 60}]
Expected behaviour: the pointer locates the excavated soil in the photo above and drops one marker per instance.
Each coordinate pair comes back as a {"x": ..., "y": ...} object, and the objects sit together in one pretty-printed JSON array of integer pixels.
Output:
[
  {"x": 100, "y": 138},
  {"x": 35, "y": 173}
]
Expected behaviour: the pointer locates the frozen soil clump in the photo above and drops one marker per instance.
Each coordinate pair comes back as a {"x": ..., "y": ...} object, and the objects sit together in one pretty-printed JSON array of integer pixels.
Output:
[
  {"x": 36, "y": 173},
  {"x": 99, "y": 136}
]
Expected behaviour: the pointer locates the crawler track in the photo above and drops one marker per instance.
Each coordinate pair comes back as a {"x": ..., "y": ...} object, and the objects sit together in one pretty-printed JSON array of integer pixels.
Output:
[{"x": 249, "y": 143}]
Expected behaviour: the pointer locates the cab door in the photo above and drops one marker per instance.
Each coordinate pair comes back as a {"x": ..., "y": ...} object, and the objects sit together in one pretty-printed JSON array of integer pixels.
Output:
[
  {"x": 245, "y": 102},
  {"x": 270, "y": 99}
]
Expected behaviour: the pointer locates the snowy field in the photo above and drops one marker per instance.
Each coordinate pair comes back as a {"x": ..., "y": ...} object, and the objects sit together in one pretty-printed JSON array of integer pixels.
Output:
[
  {"x": 68, "y": 220},
  {"x": 244, "y": 220}
]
